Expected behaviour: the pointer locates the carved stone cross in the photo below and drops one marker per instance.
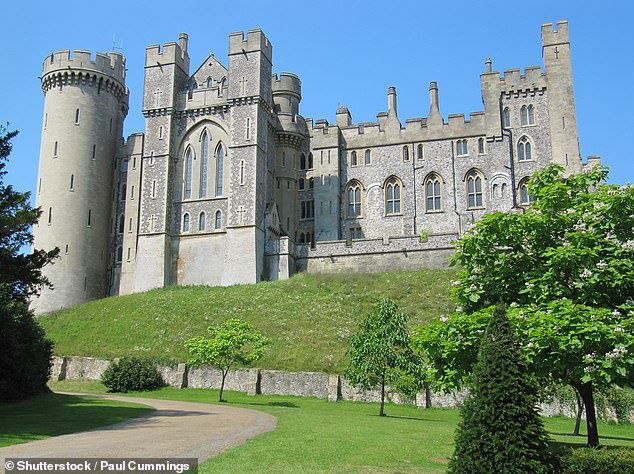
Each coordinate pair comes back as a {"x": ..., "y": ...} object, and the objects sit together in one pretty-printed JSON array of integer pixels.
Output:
[
  {"x": 241, "y": 212},
  {"x": 243, "y": 85},
  {"x": 157, "y": 96}
]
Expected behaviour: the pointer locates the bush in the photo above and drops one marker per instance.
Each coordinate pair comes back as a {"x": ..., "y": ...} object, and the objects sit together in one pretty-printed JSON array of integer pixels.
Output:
[
  {"x": 131, "y": 374},
  {"x": 25, "y": 353},
  {"x": 500, "y": 430},
  {"x": 597, "y": 461}
]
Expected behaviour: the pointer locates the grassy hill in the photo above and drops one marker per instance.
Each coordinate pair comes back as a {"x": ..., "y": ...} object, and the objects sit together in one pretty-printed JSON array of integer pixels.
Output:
[{"x": 308, "y": 318}]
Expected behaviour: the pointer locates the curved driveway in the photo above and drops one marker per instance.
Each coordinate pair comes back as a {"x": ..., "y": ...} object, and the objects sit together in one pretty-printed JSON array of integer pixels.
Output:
[{"x": 175, "y": 429}]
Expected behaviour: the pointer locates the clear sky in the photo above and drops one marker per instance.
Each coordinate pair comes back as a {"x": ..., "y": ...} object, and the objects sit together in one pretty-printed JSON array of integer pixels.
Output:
[{"x": 345, "y": 53}]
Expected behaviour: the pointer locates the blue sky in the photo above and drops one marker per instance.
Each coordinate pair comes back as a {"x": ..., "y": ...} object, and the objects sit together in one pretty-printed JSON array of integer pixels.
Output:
[{"x": 345, "y": 53}]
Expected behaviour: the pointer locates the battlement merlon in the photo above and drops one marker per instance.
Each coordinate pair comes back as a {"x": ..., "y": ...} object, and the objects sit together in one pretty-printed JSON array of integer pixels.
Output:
[
  {"x": 287, "y": 83},
  {"x": 169, "y": 53},
  {"x": 552, "y": 37},
  {"x": 255, "y": 41},
  {"x": 111, "y": 64}
]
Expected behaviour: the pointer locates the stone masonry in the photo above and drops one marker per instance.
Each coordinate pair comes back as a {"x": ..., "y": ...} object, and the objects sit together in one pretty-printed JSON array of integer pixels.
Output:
[{"x": 230, "y": 184}]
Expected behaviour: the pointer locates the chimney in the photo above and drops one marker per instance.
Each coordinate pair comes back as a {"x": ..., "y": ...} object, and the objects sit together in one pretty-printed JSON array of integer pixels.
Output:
[
  {"x": 488, "y": 64},
  {"x": 434, "y": 117},
  {"x": 391, "y": 101},
  {"x": 182, "y": 41}
]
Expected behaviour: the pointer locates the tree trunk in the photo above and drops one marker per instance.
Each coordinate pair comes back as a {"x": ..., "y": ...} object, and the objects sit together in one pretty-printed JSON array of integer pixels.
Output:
[
  {"x": 381, "y": 412},
  {"x": 579, "y": 411},
  {"x": 427, "y": 397},
  {"x": 222, "y": 384},
  {"x": 585, "y": 391}
]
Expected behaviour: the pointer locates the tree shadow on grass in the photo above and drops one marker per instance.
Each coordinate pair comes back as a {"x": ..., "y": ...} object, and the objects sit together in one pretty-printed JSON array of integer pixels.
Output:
[
  {"x": 52, "y": 414},
  {"x": 413, "y": 418},
  {"x": 583, "y": 437},
  {"x": 267, "y": 404}
]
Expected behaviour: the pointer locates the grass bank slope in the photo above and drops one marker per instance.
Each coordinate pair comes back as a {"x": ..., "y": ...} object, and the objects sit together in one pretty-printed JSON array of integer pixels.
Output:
[{"x": 308, "y": 318}]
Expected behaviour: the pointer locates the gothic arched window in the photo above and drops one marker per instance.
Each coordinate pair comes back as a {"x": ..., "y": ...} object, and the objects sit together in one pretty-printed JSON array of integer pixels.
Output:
[
  {"x": 405, "y": 153},
  {"x": 474, "y": 190},
  {"x": 204, "y": 164},
  {"x": 526, "y": 197},
  {"x": 432, "y": 192},
  {"x": 220, "y": 158},
  {"x": 524, "y": 151},
  {"x": 202, "y": 221},
  {"x": 218, "y": 220},
  {"x": 353, "y": 159},
  {"x": 392, "y": 196},
  {"x": 189, "y": 160},
  {"x": 302, "y": 162},
  {"x": 353, "y": 195},
  {"x": 368, "y": 157},
  {"x": 186, "y": 222},
  {"x": 506, "y": 118}
]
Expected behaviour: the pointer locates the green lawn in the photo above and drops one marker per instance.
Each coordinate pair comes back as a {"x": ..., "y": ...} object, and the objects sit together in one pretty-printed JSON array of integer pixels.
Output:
[
  {"x": 315, "y": 435},
  {"x": 308, "y": 318},
  {"x": 52, "y": 414}
]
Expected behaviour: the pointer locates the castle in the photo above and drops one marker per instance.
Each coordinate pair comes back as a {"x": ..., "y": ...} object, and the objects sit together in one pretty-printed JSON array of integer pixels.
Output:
[{"x": 229, "y": 184}]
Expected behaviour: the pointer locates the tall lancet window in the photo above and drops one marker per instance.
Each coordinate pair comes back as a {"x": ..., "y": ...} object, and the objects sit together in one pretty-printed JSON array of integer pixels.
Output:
[
  {"x": 204, "y": 163},
  {"x": 188, "y": 174},
  {"x": 220, "y": 158}
]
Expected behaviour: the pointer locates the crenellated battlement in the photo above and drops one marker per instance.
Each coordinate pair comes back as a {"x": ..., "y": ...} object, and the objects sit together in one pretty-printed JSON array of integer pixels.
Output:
[
  {"x": 254, "y": 41},
  {"x": 286, "y": 83},
  {"x": 169, "y": 53},
  {"x": 513, "y": 79},
  {"x": 111, "y": 64},
  {"x": 552, "y": 36}
]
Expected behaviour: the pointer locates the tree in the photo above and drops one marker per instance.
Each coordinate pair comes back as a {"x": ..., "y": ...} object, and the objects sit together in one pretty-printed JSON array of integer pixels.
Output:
[
  {"x": 566, "y": 267},
  {"x": 229, "y": 344},
  {"x": 25, "y": 353},
  {"x": 380, "y": 351},
  {"x": 500, "y": 429}
]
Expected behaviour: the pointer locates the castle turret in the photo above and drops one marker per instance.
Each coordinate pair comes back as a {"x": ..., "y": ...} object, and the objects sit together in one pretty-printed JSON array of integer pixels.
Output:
[
  {"x": 287, "y": 93},
  {"x": 434, "y": 118},
  {"x": 561, "y": 103},
  {"x": 85, "y": 104}
]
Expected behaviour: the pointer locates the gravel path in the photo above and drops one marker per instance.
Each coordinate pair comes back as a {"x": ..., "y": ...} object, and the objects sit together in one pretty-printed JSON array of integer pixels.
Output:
[{"x": 175, "y": 429}]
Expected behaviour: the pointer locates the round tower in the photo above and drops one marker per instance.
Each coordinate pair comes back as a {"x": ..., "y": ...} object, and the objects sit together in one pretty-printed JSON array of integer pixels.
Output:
[
  {"x": 292, "y": 162},
  {"x": 85, "y": 103}
]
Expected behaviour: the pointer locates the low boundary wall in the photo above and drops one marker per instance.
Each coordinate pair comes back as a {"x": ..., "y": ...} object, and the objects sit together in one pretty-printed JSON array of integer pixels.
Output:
[{"x": 277, "y": 382}]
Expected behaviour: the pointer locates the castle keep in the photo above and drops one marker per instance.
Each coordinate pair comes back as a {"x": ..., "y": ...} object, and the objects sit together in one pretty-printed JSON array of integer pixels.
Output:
[{"x": 230, "y": 184}]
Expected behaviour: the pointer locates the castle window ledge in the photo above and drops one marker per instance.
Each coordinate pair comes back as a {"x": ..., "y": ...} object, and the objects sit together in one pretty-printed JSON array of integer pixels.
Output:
[
  {"x": 463, "y": 156},
  {"x": 353, "y": 218},
  {"x": 400, "y": 214},
  {"x": 435, "y": 212},
  {"x": 481, "y": 208},
  {"x": 528, "y": 125}
]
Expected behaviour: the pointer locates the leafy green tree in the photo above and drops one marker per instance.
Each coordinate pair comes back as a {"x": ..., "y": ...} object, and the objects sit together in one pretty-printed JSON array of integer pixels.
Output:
[
  {"x": 229, "y": 344},
  {"x": 566, "y": 267},
  {"x": 25, "y": 353},
  {"x": 500, "y": 429},
  {"x": 380, "y": 352}
]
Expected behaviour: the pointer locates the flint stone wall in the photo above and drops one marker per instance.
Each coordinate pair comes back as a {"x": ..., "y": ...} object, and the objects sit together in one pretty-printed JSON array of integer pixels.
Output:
[{"x": 277, "y": 382}]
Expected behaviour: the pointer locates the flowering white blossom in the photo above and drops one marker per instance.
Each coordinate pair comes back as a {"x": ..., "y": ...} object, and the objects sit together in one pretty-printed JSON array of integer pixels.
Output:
[
  {"x": 580, "y": 226},
  {"x": 602, "y": 264},
  {"x": 514, "y": 304},
  {"x": 459, "y": 309},
  {"x": 616, "y": 353},
  {"x": 530, "y": 344},
  {"x": 570, "y": 211},
  {"x": 628, "y": 245},
  {"x": 585, "y": 274},
  {"x": 616, "y": 312},
  {"x": 444, "y": 318},
  {"x": 455, "y": 283},
  {"x": 473, "y": 287},
  {"x": 589, "y": 369}
]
